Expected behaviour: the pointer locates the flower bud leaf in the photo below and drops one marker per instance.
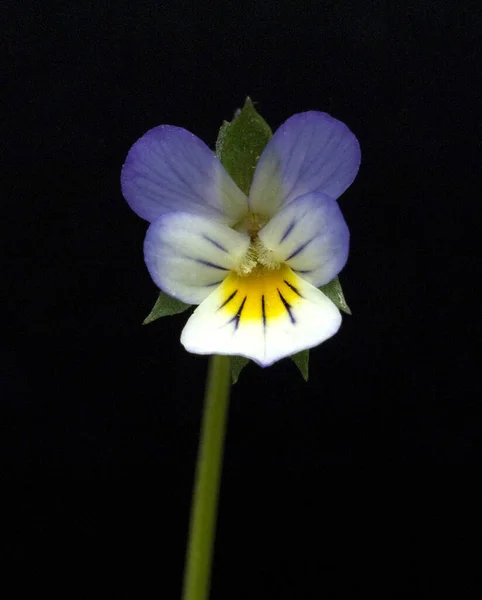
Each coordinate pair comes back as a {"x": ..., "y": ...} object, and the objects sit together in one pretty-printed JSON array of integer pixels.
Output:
[
  {"x": 335, "y": 294},
  {"x": 302, "y": 361},
  {"x": 241, "y": 142},
  {"x": 237, "y": 365},
  {"x": 164, "y": 307}
]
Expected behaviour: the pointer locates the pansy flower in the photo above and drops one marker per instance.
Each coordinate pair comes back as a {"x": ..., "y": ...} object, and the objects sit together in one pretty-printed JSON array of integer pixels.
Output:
[{"x": 252, "y": 263}]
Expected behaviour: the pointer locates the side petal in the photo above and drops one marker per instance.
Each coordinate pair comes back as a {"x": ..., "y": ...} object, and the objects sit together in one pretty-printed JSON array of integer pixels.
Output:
[
  {"x": 188, "y": 256},
  {"x": 265, "y": 316},
  {"x": 310, "y": 152},
  {"x": 169, "y": 169},
  {"x": 311, "y": 236}
]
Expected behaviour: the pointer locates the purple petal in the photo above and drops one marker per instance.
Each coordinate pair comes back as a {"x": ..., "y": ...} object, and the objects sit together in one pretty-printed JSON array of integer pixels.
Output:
[
  {"x": 169, "y": 169},
  {"x": 311, "y": 236},
  {"x": 310, "y": 152}
]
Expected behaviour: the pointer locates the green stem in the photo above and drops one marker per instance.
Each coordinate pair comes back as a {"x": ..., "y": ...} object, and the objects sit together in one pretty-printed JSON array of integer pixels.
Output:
[{"x": 208, "y": 472}]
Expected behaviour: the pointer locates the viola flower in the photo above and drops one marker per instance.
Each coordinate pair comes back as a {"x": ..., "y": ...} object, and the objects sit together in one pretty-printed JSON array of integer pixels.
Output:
[{"x": 252, "y": 264}]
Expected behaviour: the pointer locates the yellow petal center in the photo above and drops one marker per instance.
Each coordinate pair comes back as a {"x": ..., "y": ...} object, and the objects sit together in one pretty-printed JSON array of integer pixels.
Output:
[{"x": 261, "y": 295}]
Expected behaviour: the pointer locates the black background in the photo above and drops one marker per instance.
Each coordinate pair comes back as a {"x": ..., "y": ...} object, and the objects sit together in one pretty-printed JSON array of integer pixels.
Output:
[{"x": 100, "y": 403}]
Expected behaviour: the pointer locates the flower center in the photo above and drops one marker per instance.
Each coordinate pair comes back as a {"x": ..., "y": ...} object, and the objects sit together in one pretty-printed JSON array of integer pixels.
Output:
[
  {"x": 251, "y": 223},
  {"x": 258, "y": 257},
  {"x": 263, "y": 299}
]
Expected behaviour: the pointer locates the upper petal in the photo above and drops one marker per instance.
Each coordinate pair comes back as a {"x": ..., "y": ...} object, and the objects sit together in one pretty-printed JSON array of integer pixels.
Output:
[
  {"x": 171, "y": 169},
  {"x": 311, "y": 236},
  {"x": 188, "y": 255},
  {"x": 310, "y": 152}
]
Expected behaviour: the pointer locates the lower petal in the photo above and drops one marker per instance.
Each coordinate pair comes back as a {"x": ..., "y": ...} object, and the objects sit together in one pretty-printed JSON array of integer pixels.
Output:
[{"x": 265, "y": 316}]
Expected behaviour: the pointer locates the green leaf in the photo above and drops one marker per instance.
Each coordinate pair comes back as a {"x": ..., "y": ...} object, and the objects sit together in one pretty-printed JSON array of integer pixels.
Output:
[
  {"x": 241, "y": 142},
  {"x": 165, "y": 306},
  {"x": 335, "y": 294},
  {"x": 302, "y": 360},
  {"x": 237, "y": 365}
]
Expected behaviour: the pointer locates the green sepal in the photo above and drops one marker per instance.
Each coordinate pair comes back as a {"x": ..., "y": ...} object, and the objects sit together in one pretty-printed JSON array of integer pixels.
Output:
[
  {"x": 302, "y": 361},
  {"x": 335, "y": 294},
  {"x": 239, "y": 145},
  {"x": 237, "y": 365},
  {"x": 164, "y": 307},
  {"x": 241, "y": 142}
]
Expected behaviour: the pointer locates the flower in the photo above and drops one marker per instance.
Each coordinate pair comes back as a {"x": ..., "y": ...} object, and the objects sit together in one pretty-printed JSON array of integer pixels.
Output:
[{"x": 252, "y": 264}]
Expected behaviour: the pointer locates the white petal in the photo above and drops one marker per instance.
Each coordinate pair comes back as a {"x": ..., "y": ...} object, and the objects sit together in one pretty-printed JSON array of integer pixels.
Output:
[
  {"x": 311, "y": 236},
  {"x": 188, "y": 256},
  {"x": 265, "y": 316}
]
